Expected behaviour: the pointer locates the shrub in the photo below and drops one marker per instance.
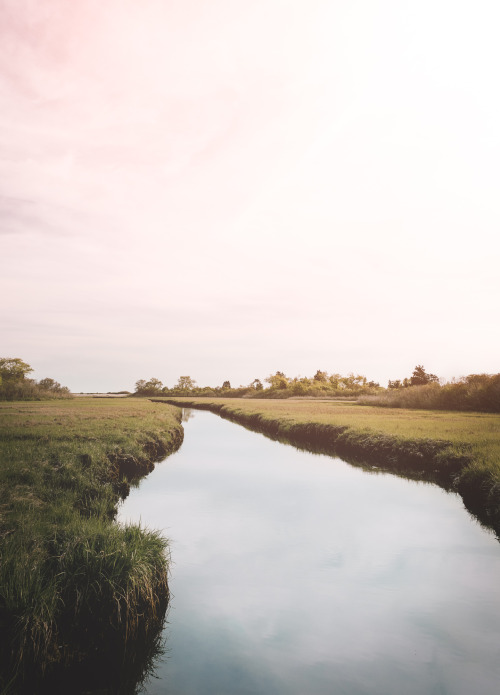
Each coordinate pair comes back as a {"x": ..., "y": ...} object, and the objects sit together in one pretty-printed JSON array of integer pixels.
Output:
[{"x": 480, "y": 392}]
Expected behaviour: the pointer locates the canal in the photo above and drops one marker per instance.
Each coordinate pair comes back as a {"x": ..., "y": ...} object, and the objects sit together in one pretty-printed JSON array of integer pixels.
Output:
[{"x": 297, "y": 573}]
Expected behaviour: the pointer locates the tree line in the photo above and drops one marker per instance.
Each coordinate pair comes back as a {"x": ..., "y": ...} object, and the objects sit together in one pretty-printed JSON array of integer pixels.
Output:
[
  {"x": 15, "y": 384},
  {"x": 422, "y": 389},
  {"x": 418, "y": 378},
  {"x": 276, "y": 385},
  {"x": 281, "y": 386}
]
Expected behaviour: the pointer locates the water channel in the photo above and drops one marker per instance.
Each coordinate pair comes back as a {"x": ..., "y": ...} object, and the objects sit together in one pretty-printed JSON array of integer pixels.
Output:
[{"x": 295, "y": 573}]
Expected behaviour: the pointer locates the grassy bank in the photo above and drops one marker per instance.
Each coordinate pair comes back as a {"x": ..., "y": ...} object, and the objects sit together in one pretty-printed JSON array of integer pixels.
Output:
[
  {"x": 460, "y": 451},
  {"x": 71, "y": 579}
]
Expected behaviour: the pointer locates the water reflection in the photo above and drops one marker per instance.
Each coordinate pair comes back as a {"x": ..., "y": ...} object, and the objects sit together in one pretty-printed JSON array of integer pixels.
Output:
[
  {"x": 297, "y": 573},
  {"x": 114, "y": 667},
  {"x": 361, "y": 461},
  {"x": 187, "y": 414}
]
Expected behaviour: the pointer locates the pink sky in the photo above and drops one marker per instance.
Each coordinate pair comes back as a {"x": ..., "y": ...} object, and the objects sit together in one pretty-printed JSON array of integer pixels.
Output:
[{"x": 227, "y": 188}]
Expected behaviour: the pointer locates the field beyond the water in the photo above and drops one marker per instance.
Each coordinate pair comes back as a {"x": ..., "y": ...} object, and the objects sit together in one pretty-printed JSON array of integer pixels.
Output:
[
  {"x": 460, "y": 450},
  {"x": 71, "y": 578}
]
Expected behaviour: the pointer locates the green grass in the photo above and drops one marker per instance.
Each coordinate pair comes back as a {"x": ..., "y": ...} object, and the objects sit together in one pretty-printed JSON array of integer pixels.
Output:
[
  {"x": 71, "y": 577},
  {"x": 461, "y": 449}
]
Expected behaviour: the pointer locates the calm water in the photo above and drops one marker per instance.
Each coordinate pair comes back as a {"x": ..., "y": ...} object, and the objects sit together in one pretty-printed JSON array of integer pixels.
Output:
[{"x": 297, "y": 573}]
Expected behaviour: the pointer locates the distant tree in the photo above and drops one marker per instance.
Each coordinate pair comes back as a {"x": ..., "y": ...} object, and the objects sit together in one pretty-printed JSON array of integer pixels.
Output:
[
  {"x": 13, "y": 382},
  {"x": 353, "y": 382},
  {"x": 396, "y": 384},
  {"x": 154, "y": 384},
  {"x": 185, "y": 383},
  {"x": 140, "y": 385},
  {"x": 148, "y": 388},
  {"x": 277, "y": 381},
  {"x": 48, "y": 384},
  {"x": 226, "y": 385},
  {"x": 52, "y": 386},
  {"x": 334, "y": 380},
  {"x": 320, "y": 376},
  {"x": 13, "y": 369},
  {"x": 420, "y": 377},
  {"x": 257, "y": 385},
  {"x": 296, "y": 388}
]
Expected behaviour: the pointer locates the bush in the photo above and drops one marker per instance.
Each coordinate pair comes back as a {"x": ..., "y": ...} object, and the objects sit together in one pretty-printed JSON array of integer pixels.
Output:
[
  {"x": 15, "y": 386},
  {"x": 479, "y": 392}
]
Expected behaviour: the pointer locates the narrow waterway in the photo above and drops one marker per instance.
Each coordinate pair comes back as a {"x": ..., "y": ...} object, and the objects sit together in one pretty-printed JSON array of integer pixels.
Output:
[{"x": 294, "y": 573}]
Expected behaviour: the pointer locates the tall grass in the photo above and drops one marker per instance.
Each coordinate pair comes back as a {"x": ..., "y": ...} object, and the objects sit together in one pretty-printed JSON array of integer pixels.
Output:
[{"x": 70, "y": 577}]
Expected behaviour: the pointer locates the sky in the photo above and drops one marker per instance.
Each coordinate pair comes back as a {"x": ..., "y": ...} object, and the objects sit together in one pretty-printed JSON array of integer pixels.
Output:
[{"x": 224, "y": 188}]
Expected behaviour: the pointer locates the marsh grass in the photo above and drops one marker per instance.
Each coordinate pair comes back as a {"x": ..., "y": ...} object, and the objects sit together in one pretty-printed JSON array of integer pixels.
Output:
[
  {"x": 70, "y": 577},
  {"x": 459, "y": 450}
]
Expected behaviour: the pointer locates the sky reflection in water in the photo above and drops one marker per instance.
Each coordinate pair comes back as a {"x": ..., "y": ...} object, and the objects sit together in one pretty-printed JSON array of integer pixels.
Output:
[{"x": 297, "y": 573}]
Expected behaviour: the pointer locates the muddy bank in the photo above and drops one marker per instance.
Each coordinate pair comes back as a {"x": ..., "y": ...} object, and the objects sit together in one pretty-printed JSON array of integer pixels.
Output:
[{"x": 126, "y": 468}]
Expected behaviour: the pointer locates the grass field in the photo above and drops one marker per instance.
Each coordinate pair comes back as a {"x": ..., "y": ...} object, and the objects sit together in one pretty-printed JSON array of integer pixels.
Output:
[
  {"x": 459, "y": 449},
  {"x": 69, "y": 575}
]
